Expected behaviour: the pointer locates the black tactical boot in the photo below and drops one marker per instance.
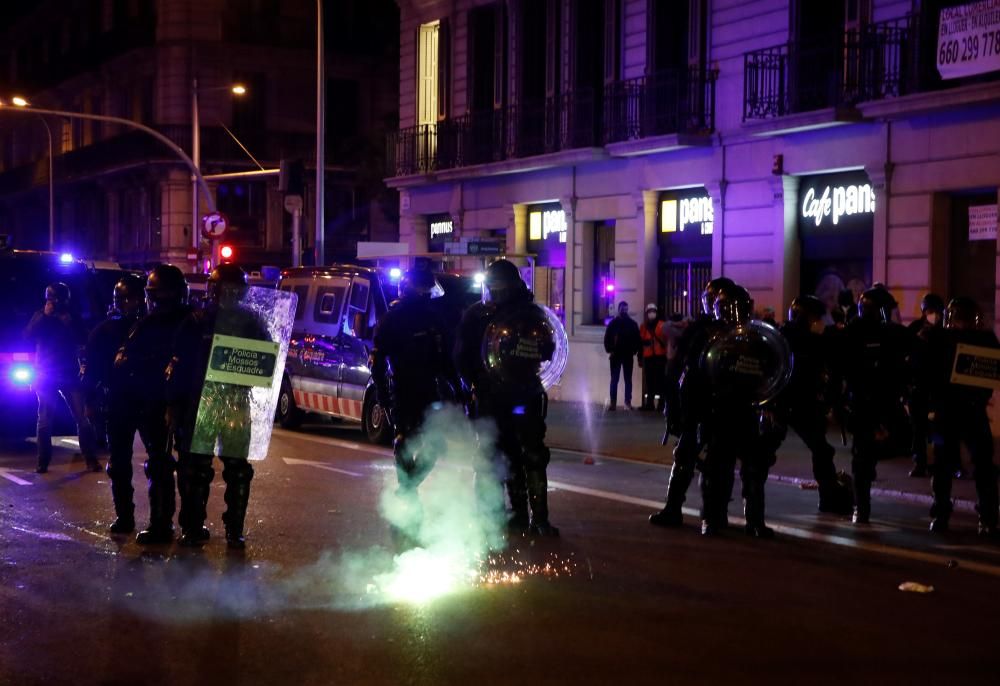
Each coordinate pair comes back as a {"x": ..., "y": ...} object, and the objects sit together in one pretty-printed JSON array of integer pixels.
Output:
[
  {"x": 862, "y": 501},
  {"x": 753, "y": 510},
  {"x": 237, "y": 475},
  {"x": 194, "y": 481},
  {"x": 835, "y": 498},
  {"x": 538, "y": 498},
  {"x": 121, "y": 495},
  {"x": 519, "y": 522},
  {"x": 671, "y": 515}
]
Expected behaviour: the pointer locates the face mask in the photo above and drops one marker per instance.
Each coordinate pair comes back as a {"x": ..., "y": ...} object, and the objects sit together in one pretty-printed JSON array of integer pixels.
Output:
[
  {"x": 932, "y": 318},
  {"x": 651, "y": 316}
]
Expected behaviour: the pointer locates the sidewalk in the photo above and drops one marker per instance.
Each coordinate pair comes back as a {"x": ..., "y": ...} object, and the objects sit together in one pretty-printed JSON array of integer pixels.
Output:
[{"x": 635, "y": 435}]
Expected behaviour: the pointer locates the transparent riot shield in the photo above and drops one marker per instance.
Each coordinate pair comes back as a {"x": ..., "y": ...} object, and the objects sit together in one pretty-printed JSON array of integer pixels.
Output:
[{"x": 249, "y": 340}]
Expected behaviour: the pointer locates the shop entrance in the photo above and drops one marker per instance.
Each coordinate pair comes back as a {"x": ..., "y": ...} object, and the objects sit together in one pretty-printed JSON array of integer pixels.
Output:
[
  {"x": 680, "y": 286},
  {"x": 972, "y": 250}
]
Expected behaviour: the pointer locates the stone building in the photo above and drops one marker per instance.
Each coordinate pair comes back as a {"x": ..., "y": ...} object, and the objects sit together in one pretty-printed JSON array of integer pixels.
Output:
[
  {"x": 120, "y": 195},
  {"x": 637, "y": 147}
]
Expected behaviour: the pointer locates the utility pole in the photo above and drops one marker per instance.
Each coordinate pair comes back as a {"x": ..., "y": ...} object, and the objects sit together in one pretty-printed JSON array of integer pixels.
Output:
[{"x": 320, "y": 246}]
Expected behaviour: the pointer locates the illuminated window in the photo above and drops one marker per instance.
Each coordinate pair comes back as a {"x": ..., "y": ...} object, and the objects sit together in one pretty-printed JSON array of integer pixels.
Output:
[
  {"x": 427, "y": 76},
  {"x": 668, "y": 216},
  {"x": 535, "y": 226}
]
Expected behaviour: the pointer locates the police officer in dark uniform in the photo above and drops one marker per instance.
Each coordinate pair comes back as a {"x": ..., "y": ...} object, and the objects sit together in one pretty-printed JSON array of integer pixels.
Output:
[
  {"x": 226, "y": 418},
  {"x": 127, "y": 307},
  {"x": 804, "y": 402},
  {"x": 685, "y": 403},
  {"x": 921, "y": 330},
  {"x": 412, "y": 369},
  {"x": 137, "y": 403},
  {"x": 873, "y": 367},
  {"x": 959, "y": 415},
  {"x": 519, "y": 409},
  {"x": 740, "y": 359}
]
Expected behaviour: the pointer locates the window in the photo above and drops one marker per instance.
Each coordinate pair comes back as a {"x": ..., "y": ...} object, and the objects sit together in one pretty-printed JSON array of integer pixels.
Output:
[
  {"x": 302, "y": 293},
  {"x": 328, "y": 303},
  {"x": 360, "y": 319},
  {"x": 427, "y": 72},
  {"x": 602, "y": 272}
]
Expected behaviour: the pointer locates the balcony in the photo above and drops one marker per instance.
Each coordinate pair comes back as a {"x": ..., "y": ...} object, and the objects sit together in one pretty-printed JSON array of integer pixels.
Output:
[
  {"x": 884, "y": 60},
  {"x": 667, "y": 102}
]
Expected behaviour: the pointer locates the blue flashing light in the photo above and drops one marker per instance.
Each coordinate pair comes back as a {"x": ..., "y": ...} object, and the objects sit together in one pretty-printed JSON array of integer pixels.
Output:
[
  {"x": 395, "y": 273},
  {"x": 479, "y": 278},
  {"x": 22, "y": 374},
  {"x": 66, "y": 258}
]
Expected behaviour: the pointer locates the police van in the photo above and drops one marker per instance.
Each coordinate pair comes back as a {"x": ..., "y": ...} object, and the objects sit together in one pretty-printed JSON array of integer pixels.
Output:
[
  {"x": 24, "y": 274},
  {"x": 327, "y": 372}
]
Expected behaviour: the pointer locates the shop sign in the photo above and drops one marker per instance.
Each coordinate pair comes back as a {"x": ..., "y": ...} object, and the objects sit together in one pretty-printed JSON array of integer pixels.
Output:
[
  {"x": 677, "y": 214},
  {"x": 983, "y": 223},
  {"x": 544, "y": 223},
  {"x": 443, "y": 227},
  {"x": 976, "y": 366},
  {"x": 833, "y": 203},
  {"x": 969, "y": 39}
]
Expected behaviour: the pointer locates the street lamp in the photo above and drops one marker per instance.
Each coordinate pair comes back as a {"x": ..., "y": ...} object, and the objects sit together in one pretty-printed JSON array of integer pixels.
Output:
[
  {"x": 236, "y": 89},
  {"x": 18, "y": 101}
]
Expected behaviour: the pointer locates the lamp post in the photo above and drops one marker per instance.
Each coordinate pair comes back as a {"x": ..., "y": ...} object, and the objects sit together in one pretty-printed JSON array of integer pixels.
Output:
[
  {"x": 18, "y": 101},
  {"x": 320, "y": 140},
  {"x": 236, "y": 89}
]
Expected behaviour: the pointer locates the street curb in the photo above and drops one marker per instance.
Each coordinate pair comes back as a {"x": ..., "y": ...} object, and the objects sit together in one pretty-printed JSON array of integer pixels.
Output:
[{"x": 961, "y": 504}]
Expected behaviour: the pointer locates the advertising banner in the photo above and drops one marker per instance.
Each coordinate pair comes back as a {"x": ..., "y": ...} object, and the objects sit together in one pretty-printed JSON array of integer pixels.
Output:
[
  {"x": 969, "y": 39},
  {"x": 983, "y": 223},
  {"x": 976, "y": 366}
]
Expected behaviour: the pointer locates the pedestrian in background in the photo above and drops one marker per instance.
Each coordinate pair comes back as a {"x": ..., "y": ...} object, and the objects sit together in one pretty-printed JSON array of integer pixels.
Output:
[
  {"x": 58, "y": 337},
  {"x": 653, "y": 359},
  {"x": 622, "y": 343}
]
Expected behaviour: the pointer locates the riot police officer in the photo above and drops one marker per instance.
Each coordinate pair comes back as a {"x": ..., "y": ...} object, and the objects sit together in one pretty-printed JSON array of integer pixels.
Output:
[
  {"x": 804, "y": 402},
  {"x": 921, "y": 330},
  {"x": 685, "y": 401},
  {"x": 874, "y": 359},
  {"x": 744, "y": 364},
  {"x": 127, "y": 307},
  {"x": 58, "y": 336},
  {"x": 518, "y": 406},
  {"x": 959, "y": 415},
  {"x": 224, "y": 421},
  {"x": 412, "y": 369},
  {"x": 137, "y": 403}
]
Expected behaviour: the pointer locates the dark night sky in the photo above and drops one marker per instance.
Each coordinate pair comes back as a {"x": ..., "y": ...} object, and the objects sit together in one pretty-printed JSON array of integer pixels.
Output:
[{"x": 10, "y": 10}]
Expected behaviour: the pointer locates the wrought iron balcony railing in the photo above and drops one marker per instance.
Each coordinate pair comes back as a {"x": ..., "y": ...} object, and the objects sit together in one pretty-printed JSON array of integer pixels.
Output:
[
  {"x": 877, "y": 61},
  {"x": 671, "y": 101}
]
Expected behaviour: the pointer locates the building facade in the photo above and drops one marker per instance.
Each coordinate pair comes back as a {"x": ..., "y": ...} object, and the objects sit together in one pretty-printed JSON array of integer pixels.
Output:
[
  {"x": 120, "y": 195},
  {"x": 637, "y": 147}
]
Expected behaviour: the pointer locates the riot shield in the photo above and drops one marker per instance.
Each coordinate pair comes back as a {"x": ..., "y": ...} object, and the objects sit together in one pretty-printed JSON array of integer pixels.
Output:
[
  {"x": 524, "y": 347},
  {"x": 750, "y": 363},
  {"x": 250, "y": 328}
]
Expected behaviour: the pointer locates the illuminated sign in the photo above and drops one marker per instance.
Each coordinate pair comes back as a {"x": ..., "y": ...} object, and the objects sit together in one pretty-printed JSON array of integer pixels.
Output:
[
  {"x": 676, "y": 215},
  {"x": 542, "y": 224},
  {"x": 837, "y": 202},
  {"x": 441, "y": 228}
]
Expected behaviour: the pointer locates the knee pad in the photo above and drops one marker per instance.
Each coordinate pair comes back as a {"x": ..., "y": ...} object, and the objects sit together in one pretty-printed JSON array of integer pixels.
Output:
[{"x": 234, "y": 469}]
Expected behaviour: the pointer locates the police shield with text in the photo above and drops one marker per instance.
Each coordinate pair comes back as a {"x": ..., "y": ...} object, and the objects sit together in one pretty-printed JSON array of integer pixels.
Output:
[
  {"x": 412, "y": 370},
  {"x": 137, "y": 403},
  {"x": 502, "y": 344},
  {"x": 958, "y": 412},
  {"x": 213, "y": 418},
  {"x": 685, "y": 387},
  {"x": 804, "y": 403},
  {"x": 746, "y": 364}
]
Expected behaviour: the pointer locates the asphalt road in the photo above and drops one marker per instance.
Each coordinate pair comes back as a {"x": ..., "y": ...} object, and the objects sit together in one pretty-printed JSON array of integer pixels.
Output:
[{"x": 313, "y": 600}]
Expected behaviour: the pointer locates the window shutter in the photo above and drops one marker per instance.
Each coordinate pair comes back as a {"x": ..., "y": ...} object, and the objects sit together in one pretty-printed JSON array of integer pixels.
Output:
[
  {"x": 444, "y": 70},
  {"x": 612, "y": 35},
  {"x": 499, "y": 55},
  {"x": 552, "y": 53}
]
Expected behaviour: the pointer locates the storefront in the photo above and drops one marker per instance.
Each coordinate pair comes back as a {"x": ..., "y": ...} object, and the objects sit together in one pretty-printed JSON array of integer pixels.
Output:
[
  {"x": 836, "y": 217},
  {"x": 547, "y": 234},
  {"x": 686, "y": 221},
  {"x": 972, "y": 247}
]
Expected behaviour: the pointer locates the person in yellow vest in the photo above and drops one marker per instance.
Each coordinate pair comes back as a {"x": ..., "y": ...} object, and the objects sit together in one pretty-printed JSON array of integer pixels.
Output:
[{"x": 653, "y": 359}]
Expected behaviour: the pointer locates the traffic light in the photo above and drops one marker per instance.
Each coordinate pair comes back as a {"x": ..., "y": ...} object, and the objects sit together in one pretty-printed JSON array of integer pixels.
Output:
[
  {"x": 227, "y": 253},
  {"x": 292, "y": 177}
]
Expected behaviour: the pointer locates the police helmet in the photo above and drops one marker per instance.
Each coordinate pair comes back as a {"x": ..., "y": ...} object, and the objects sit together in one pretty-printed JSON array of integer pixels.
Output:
[
  {"x": 806, "y": 309},
  {"x": 128, "y": 293},
  {"x": 711, "y": 291},
  {"x": 876, "y": 304},
  {"x": 503, "y": 281},
  {"x": 165, "y": 287},
  {"x": 416, "y": 282},
  {"x": 227, "y": 279},
  {"x": 57, "y": 292},
  {"x": 733, "y": 304},
  {"x": 963, "y": 313},
  {"x": 932, "y": 302}
]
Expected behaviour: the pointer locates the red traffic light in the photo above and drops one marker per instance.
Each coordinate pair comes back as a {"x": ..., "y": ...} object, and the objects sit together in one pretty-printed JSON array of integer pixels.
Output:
[{"x": 226, "y": 252}]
